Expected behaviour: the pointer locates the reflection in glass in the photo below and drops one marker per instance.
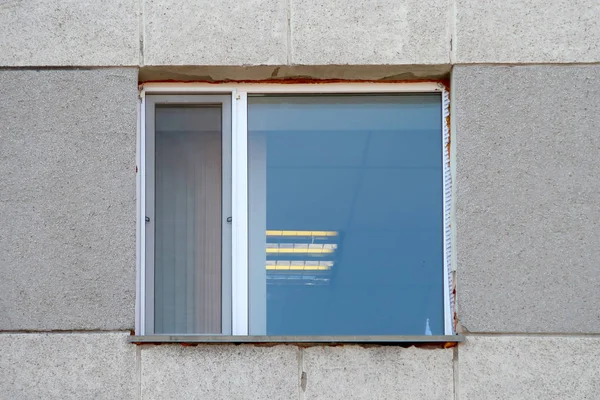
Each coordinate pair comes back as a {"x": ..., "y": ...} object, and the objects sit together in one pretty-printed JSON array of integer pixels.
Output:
[
  {"x": 300, "y": 257},
  {"x": 345, "y": 215}
]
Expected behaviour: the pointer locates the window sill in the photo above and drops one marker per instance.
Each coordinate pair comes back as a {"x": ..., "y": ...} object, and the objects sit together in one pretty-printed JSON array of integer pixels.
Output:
[{"x": 389, "y": 339}]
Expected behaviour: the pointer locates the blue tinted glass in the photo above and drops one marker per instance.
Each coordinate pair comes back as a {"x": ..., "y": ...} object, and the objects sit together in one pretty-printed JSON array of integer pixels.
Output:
[{"x": 345, "y": 215}]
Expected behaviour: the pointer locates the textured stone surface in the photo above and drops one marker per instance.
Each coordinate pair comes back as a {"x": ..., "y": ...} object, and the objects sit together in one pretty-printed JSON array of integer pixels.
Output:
[
  {"x": 208, "y": 32},
  {"x": 527, "y": 215},
  {"x": 387, "y": 372},
  {"x": 369, "y": 32},
  {"x": 67, "y": 199},
  {"x": 67, "y": 366},
  {"x": 69, "y": 32},
  {"x": 534, "y": 367},
  {"x": 219, "y": 372},
  {"x": 527, "y": 31}
]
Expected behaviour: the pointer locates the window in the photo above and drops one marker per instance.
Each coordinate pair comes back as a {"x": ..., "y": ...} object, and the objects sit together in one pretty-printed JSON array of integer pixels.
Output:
[{"x": 294, "y": 210}]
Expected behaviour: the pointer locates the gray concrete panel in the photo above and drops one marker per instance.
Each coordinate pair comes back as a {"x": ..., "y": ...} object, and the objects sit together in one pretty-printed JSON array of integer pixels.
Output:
[
  {"x": 208, "y": 32},
  {"x": 219, "y": 372},
  {"x": 67, "y": 199},
  {"x": 527, "y": 217},
  {"x": 369, "y": 32},
  {"x": 534, "y": 367},
  {"x": 386, "y": 372},
  {"x": 69, "y": 32},
  {"x": 67, "y": 366},
  {"x": 517, "y": 31}
]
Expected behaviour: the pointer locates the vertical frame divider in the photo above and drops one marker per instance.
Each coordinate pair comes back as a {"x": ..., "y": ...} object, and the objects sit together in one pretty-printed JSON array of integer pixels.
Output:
[
  {"x": 226, "y": 130},
  {"x": 140, "y": 233},
  {"x": 148, "y": 211},
  {"x": 239, "y": 193}
]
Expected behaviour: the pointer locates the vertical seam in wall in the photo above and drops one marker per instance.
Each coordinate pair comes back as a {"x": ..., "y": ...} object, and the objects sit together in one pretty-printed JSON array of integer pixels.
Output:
[
  {"x": 300, "y": 373},
  {"x": 288, "y": 5},
  {"x": 138, "y": 366},
  {"x": 141, "y": 28},
  {"x": 452, "y": 24},
  {"x": 455, "y": 372}
]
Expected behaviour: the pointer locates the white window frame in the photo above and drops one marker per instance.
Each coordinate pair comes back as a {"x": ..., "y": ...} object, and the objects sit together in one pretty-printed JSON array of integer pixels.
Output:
[{"x": 239, "y": 190}]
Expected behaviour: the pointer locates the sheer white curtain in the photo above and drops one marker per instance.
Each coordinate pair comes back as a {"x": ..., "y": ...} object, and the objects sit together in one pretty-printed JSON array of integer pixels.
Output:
[{"x": 188, "y": 215}]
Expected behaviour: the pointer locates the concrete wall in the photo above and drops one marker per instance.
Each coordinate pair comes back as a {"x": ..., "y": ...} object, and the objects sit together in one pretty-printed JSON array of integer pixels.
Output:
[
  {"x": 69, "y": 32},
  {"x": 529, "y": 367},
  {"x": 67, "y": 199},
  {"x": 527, "y": 216},
  {"x": 297, "y": 32},
  {"x": 532, "y": 31},
  {"x": 525, "y": 144},
  {"x": 67, "y": 366}
]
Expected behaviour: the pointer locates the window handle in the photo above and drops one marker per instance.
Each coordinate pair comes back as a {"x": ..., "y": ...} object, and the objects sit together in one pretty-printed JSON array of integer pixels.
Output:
[
  {"x": 147, "y": 219},
  {"x": 229, "y": 219}
]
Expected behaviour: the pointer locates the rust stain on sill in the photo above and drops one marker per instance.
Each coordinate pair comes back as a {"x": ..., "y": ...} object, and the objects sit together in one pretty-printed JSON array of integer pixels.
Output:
[
  {"x": 426, "y": 346},
  {"x": 448, "y": 123},
  {"x": 449, "y": 138},
  {"x": 444, "y": 82}
]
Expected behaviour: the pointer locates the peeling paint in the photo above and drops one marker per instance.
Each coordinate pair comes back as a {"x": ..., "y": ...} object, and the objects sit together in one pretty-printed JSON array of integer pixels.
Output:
[
  {"x": 280, "y": 73},
  {"x": 449, "y": 288},
  {"x": 299, "y": 80},
  {"x": 449, "y": 136}
]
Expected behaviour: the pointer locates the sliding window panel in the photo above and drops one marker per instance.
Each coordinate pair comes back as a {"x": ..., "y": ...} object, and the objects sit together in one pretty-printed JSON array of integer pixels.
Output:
[
  {"x": 346, "y": 215},
  {"x": 191, "y": 201}
]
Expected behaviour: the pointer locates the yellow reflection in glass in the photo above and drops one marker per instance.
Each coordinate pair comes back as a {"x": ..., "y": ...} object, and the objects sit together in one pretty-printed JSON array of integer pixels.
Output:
[
  {"x": 298, "y": 267},
  {"x": 298, "y": 250},
  {"x": 302, "y": 233}
]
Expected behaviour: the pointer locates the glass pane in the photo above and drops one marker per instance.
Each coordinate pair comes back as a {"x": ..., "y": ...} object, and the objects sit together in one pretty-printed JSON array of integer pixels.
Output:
[
  {"x": 345, "y": 215},
  {"x": 187, "y": 264}
]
